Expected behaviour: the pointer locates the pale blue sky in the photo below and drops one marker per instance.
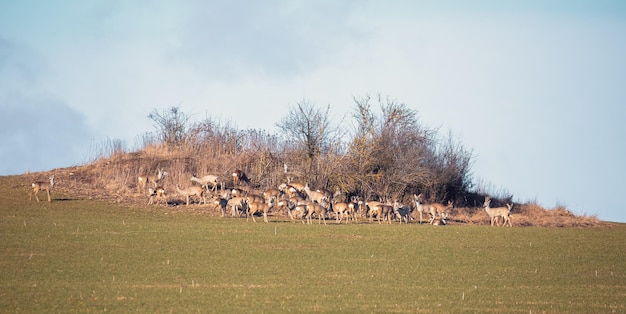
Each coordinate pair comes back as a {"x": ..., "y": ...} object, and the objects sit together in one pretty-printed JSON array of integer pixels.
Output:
[{"x": 534, "y": 88}]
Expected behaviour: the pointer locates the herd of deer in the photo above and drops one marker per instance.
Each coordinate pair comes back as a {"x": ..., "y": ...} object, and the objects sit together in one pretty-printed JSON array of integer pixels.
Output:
[{"x": 298, "y": 200}]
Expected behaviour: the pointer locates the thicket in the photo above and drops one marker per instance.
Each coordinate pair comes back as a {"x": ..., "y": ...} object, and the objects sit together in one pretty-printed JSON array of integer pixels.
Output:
[{"x": 381, "y": 151}]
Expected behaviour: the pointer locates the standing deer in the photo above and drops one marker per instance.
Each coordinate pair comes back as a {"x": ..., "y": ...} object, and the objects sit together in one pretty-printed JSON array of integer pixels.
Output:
[
  {"x": 191, "y": 191},
  {"x": 315, "y": 209},
  {"x": 240, "y": 176},
  {"x": 213, "y": 180},
  {"x": 259, "y": 207},
  {"x": 441, "y": 210},
  {"x": 341, "y": 210},
  {"x": 42, "y": 185},
  {"x": 402, "y": 212},
  {"x": 494, "y": 213},
  {"x": 434, "y": 209},
  {"x": 142, "y": 181},
  {"x": 421, "y": 208},
  {"x": 237, "y": 204}
]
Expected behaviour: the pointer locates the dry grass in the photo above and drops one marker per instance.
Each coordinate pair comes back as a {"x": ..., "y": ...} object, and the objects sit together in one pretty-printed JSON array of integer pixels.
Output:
[
  {"x": 115, "y": 179},
  {"x": 529, "y": 215}
]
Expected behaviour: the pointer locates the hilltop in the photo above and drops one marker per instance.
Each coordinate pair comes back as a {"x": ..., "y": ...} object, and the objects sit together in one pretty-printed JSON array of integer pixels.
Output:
[
  {"x": 384, "y": 156},
  {"x": 114, "y": 180}
]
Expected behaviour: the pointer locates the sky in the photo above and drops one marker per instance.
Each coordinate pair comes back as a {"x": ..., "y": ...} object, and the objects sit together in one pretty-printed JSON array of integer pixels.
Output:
[{"x": 535, "y": 89}]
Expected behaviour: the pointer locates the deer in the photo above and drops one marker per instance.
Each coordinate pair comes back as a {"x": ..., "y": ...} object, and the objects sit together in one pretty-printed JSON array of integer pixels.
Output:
[
  {"x": 373, "y": 209},
  {"x": 317, "y": 209},
  {"x": 255, "y": 198},
  {"x": 316, "y": 196},
  {"x": 221, "y": 202},
  {"x": 240, "y": 176},
  {"x": 421, "y": 208},
  {"x": 494, "y": 213},
  {"x": 272, "y": 193},
  {"x": 213, "y": 180},
  {"x": 42, "y": 185},
  {"x": 191, "y": 191},
  {"x": 386, "y": 212},
  {"x": 355, "y": 205},
  {"x": 238, "y": 192},
  {"x": 402, "y": 212},
  {"x": 441, "y": 209},
  {"x": 143, "y": 180},
  {"x": 259, "y": 207},
  {"x": 342, "y": 209},
  {"x": 295, "y": 210},
  {"x": 236, "y": 204},
  {"x": 158, "y": 193},
  {"x": 441, "y": 221}
]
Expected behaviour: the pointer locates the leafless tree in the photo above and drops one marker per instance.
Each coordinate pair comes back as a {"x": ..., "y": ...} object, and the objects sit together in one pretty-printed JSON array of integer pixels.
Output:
[
  {"x": 171, "y": 125},
  {"x": 310, "y": 129}
]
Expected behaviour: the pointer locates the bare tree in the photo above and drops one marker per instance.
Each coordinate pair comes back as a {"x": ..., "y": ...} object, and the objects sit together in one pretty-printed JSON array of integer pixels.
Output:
[
  {"x": 310, "y": 129},
  {"x": 171, "y": 125},
  {"x": 394, "y": 154}
]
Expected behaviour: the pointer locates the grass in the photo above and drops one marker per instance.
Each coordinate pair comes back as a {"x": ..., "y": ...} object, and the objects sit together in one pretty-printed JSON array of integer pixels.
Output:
[{"x": 75, "y": 255}]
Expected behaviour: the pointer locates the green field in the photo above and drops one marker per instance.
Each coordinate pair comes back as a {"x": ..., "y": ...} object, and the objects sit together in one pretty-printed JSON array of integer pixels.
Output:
[{"x": 76, "y": 255}]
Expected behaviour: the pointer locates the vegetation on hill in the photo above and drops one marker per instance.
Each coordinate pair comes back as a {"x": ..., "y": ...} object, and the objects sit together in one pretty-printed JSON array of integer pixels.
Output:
[{"x": 382, "y": 152}]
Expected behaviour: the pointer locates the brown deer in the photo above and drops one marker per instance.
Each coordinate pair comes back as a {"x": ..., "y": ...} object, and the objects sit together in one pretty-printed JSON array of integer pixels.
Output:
[
  {"x": 240, "y": 176},
  {"x": 158, "y": 194},
  {"x": 494, "y": 213},
  {"x": 42, "y": 185},
  {"x": 143, "y": 180}
]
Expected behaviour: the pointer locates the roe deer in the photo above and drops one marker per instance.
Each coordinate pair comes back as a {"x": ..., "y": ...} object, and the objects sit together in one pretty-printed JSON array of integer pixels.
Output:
[
  {"x": 421, "y": 208},
  {"x": 441, "y": 221},
  {"x": 42, "y": 185},
  {"x": 441, "y": 210},
  {"x": 142, "y": 181},
  {"x": 158, "y": 193},
  {"x": 192, "y": 190},
  {"x": 494, "y": 213},
  {"x": 240, "y": 176},
  {"x": 213, "y": 180},
  {"x": 259, "y": 207}
]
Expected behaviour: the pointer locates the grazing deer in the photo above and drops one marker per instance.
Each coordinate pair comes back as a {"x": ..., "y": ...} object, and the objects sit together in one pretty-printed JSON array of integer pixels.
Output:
[
  {"x": 142, "y": 181},
  {"x": 259, "y": 207},
  {"x": 220, "y": 202},
  {"x": 158, "y": 193},
  {"x": 206, "y": 180},
  {"x": 236, "y": 204},
  {"x": 191, "y": 191},
  {"x": 295, "y": 210},
  {"x": 42, "y": 185},
  {"x": 240, "y": 176},
  {"x": 494, "y": 213}
]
